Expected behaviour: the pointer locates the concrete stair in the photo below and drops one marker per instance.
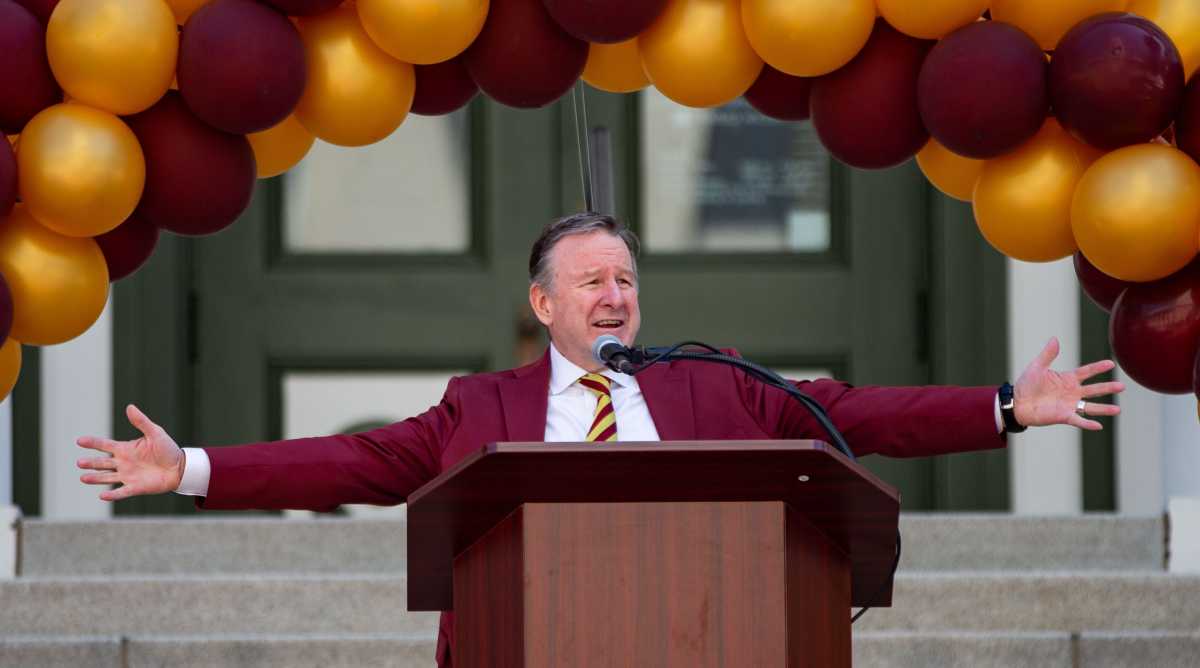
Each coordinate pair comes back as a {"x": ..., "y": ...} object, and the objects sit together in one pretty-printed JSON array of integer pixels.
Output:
[{"x": 974, "y": 590}]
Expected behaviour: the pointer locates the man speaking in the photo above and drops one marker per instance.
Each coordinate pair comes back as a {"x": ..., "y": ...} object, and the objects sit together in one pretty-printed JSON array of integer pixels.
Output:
[{"x": 584, "y": 284}]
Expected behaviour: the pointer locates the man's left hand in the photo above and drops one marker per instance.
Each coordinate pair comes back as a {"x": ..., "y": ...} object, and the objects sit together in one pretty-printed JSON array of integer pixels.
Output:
[{"x": 1043, "y": 396}]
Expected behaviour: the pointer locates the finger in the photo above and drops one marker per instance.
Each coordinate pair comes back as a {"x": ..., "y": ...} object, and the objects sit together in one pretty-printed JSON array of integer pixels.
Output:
[
  {"x": 102, "y": 444},
  {"x": 1088, "y": 370},
  {"x": 1092, "y": 408},
  {"x": 138, "y": 419},
  {"x": 123, "y": 492},
  {"x": 1102, "y": 389},
  {"x": 98, "y": 463},
  {"x": 1083, "y": 423},
  {"x": 107, "y": 478},
  {"x": 1049, "y": 353}
]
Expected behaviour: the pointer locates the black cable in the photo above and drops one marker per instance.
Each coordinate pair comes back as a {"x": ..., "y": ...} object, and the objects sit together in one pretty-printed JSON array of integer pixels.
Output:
[{"x": 884, "y": 587}]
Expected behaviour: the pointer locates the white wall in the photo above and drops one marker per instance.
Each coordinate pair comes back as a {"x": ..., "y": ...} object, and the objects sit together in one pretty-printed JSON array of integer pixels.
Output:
[
  {"x": 1045, "y": 471},
  {"x": 76, "y": 398}
]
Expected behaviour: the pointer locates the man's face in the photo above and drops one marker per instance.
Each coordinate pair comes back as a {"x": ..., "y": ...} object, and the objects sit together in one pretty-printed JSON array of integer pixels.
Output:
[{"x": 593, "y": 291}]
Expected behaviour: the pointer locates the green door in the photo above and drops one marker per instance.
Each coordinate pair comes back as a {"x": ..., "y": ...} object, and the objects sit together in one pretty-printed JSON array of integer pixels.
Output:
[{"x": 866, "y": 275}]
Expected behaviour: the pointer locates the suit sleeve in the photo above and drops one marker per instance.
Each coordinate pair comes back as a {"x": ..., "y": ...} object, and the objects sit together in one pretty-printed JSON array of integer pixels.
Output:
[
  {"x": 382, "y": 466},
  {"x": 893, "y": 421}
]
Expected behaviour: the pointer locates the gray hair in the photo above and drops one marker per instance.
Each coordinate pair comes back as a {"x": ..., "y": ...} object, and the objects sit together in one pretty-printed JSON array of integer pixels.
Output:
[{"x": 579, "y": 223}]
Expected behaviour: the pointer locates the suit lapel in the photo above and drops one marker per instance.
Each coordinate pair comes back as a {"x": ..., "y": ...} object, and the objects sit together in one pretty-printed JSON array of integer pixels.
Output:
[
  {"x": 668, "y": 395},
  {"x": 524, "y": 396}
]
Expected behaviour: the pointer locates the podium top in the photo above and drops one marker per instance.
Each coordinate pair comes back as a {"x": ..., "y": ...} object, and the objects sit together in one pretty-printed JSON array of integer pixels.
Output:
[{"x": 843, "y": 500}]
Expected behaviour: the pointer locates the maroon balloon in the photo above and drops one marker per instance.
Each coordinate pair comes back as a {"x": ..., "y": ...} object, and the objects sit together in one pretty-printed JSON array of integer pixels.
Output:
[
  {"x": 42, "y": 9},
  {"x": 982, "y": 89},
  {"x": 605, "y": 21},
  {"x": 127, "y": 246},
  {"x": 6, "y": 310},
  {"x": 241, "y": 66},
  {"x": 443, "y": 87},
  {"x": 1155, "y": 330},
  {"x": 866, "y": 112},
  {"x": 522, "y": 58},
  {"x": 780, "y": 96},
  {"x": 27, "y": 85},
  {"x": 198, "y": 179},
  {"x": 1101, "y": 288},
  {"x": 8, "y": 178},
  {"x": 1116, "y": 79},
  {"x": 1187, "y": 123},
  {"x": 303, "y": 7}
]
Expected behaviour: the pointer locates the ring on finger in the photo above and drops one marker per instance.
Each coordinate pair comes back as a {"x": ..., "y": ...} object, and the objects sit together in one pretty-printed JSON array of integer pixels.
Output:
[{"x": 1081, "y": 407}]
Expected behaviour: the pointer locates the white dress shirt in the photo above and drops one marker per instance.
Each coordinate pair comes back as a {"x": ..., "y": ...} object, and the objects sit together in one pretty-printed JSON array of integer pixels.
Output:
[{"x": 569, "y": 413}]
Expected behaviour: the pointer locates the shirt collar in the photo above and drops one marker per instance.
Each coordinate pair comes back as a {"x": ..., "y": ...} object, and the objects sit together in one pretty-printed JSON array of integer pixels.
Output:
[{"x": 564, "y": 373}]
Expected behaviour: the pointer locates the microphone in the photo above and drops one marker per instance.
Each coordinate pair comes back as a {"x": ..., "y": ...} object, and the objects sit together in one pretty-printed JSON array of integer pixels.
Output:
[{"x": 609, "y": 351}]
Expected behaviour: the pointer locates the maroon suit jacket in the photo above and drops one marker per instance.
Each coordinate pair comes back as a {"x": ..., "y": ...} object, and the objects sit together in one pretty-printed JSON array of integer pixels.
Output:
[{"x": 687, "y": 402}]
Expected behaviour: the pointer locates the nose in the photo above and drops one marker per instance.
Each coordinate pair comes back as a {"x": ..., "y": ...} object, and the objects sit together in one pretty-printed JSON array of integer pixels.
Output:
[{"x": 613, "y": 296}]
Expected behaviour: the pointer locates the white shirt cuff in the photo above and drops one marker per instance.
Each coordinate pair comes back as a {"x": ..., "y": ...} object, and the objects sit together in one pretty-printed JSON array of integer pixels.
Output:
[
  {"x": 999, "y": 423},
  {"x": 196, "y": 471}
]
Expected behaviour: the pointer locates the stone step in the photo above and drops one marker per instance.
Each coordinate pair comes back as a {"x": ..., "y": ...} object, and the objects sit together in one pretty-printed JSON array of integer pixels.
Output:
[
  {"x": 268, "y": 545},
  {"x": 871, "y": 650},
  {"x": 1010, "y": 602}
]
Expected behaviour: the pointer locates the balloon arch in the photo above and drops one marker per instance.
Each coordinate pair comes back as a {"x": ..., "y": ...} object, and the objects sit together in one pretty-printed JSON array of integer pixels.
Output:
[{"x": 1069, "y": 124}]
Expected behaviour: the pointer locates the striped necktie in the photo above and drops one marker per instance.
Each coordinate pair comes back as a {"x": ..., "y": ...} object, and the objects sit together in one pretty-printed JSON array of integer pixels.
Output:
[{"x": 604, "y": 422}]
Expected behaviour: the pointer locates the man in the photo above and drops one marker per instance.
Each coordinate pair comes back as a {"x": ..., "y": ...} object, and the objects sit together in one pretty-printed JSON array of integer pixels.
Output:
[{"x": 583, "y": 284}]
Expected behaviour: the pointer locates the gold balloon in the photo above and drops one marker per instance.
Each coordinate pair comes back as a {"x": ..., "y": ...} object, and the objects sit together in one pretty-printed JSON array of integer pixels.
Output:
[
  {"x": 356, "y": 94},
  {"x": 1047, "y": 21},
  {"x": 423, "y": 31},
  {"x": 10, "y": 366},
  {"x": 279, "y": 148},
  {"x": 80, "y": 170},
  {"x": 1180, "y": 19},
  {"x": 183, "y": 9},
  {"x": 616, "y": 68},
  {"x": 59, "y": 284},
  {"x": 115, "y": 55},
  {"x": 807, "y": 38},
  {"x": 1022, "y": 200},
  {"x": 949, "y": 172},
  {"x": 697, "y": 54},
  {"x": 930, "y": 19},
  {"x": 1136, "y": 212}
]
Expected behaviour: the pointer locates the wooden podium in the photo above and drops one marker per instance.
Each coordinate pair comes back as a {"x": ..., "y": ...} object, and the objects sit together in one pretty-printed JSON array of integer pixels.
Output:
[{"x": 652, "y": 554}]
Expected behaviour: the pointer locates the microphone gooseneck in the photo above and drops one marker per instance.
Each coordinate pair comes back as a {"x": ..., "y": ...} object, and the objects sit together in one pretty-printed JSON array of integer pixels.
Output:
[{"x": 609, "y": 351}]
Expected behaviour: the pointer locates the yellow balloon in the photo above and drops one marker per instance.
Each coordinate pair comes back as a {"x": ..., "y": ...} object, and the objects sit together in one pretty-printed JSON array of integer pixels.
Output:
[
  {"x": 59, "y": 284},
  {"x": 697, "y": 54},
  {"x": 1136, "y": 212},
  {"x": 930, "y": 19},
  {"x": 80, "y": 170},
  {"x": 1047, "y": 21},
  {"x": 356, "y": 94},
  {"x": 1180, "y": 19},
  {"x": 10, "y": 366},
  {"x": 807, "y": 38},
  {"x": 949, "y": 172},
  {"x": 1022, "y": 200},
  {"x": 115, "y": 55},
  {"x": 278, "y": 149},
  {"x": 616, "y": 68},
  {"x": 423, "y": 31},
  {"x": 183, "y": 9}
]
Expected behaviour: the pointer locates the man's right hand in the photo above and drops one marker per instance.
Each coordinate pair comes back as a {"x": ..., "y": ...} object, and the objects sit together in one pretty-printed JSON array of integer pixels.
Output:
[{"x": 152, "y": 464}]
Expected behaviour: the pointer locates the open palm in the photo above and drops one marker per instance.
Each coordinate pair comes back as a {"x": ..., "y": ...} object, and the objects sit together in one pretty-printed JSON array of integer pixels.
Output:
[
  {"x": 1043, "y": 396},
  {"x": 152, "y": 464}
]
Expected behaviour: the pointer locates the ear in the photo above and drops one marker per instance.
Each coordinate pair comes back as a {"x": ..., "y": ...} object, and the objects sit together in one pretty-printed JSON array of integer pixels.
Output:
[{"x": 540, "y": 301}]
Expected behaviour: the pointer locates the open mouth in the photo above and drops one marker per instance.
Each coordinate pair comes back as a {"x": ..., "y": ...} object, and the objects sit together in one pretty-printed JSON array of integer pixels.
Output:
[{"x": 608, "y": 323}]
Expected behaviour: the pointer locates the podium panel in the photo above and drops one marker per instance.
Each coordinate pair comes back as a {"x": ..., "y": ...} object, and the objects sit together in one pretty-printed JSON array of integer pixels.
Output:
[{"x": 686, "y": 584}]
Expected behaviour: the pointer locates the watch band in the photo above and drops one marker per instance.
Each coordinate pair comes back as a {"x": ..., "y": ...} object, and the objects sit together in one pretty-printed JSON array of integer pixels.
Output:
[{"x": 1006, "y": 410}]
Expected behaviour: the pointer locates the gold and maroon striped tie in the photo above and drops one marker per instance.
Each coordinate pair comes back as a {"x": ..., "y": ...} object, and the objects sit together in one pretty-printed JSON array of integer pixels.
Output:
[{"x": 604, "y": 423}]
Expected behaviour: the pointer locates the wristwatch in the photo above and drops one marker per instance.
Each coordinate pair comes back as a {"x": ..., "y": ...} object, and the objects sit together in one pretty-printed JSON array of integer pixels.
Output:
[{"x": 1006, "y": 410}]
